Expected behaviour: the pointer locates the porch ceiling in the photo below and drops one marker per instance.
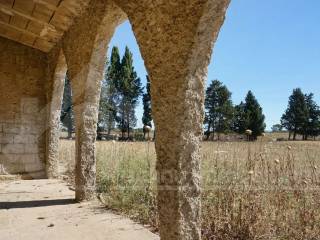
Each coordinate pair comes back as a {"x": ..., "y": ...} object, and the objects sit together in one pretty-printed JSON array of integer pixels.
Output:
[{"x": 39, "y": 24}]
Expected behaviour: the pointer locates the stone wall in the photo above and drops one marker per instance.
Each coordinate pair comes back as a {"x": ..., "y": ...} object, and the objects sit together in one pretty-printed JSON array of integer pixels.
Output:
[{"x": 22, "y": 109}]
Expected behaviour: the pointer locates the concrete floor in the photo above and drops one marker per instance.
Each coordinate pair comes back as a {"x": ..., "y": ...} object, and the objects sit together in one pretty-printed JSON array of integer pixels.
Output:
[{"x": 45, "y": 210}]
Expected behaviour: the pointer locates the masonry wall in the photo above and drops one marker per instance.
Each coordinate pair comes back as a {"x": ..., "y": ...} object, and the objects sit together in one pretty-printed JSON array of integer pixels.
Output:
[{"x": 22, "y": 109}]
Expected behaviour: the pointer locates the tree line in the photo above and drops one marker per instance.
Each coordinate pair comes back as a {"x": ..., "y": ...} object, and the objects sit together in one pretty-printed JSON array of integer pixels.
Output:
[
  {"x": 221, "y": 116},
  {"x": 121, "y": 89},
  {"x": 120, "y": 92},
  {"x": 302, "y": 116}
]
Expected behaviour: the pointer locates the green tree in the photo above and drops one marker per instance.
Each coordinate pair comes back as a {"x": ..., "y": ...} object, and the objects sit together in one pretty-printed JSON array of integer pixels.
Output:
[
  {"x": 146, "y": 99},
  {"x": 218, "y": 109},
  {"x": 254, "y": 116},
  {"x": 129, "y": 88},
  {"x": 67, "y": 117},
  {"x": 239, "y": 123},
  {"x": 296, "y": 115},
  {"x": 312, "y": 127},
  {"x": 109, "y": 93}
]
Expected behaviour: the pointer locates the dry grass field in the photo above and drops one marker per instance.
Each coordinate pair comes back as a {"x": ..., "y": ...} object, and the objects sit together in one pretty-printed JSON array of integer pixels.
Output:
[{"x": 261, "y": 190}]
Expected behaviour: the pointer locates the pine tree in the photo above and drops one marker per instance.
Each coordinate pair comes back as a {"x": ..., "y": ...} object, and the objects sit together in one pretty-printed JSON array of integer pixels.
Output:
[
  {"x": 248, "y": 116},
  {"x": 254, "y": 116},
  {"x": 296, "y": 115},
  {"x": 219, "y": 109},
  {"x": 67, "y": 117},
  {"x": 146, "y": 98},
  {"x": 129, "y": 88}
]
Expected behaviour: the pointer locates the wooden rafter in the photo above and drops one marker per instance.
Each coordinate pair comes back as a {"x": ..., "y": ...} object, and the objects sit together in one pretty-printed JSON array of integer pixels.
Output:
[
  {"x": 46, "y": 4},
  {"x": 24, "y": 31},
  {"x": 34, "y": 29},
  {"x": 8, "y": 10},
  {"x": 23, "y": 42}
]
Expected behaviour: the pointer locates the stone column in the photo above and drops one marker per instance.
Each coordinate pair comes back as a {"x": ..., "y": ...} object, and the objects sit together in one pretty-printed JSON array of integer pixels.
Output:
[
  {"x": 175, "y": 39},
  {"x": 85, "y": 47},
  {"x": 57, "y": 73}
]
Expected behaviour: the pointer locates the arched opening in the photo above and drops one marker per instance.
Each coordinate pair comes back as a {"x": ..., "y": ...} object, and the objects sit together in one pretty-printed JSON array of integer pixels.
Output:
[
  {"x": 177, "y": 97},
  {"x": 255, "y": 185},
  {"x": 118, "y": 184},
  {"x": 175, "y": 41},
  {"x": 235, "y": 164},
  {"x": 67, "y": 134}
]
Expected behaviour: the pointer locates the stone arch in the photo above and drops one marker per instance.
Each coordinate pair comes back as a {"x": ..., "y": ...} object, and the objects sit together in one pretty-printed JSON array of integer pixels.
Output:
[
  {"x": 176, "y": 41},
  {"x": 85, "y": 46},
  {"x": 57, "y": 72}
]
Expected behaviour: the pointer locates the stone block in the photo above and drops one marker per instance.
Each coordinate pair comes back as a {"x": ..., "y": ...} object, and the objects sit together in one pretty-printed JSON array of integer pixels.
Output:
[
  {"x": 28, "y": 118},
  {"x": 12, "y": 158},
  {"x": 13, "y": 148},
  {"x": 30, "y": 106},
  {"x": 14, "y": 168},
  {"x": 34, "y": 167},
  {"x": 33, "y": 139},
  {"x": 25, "y": 138},
  {"x": 12, "y": 128},
  {"x": 31, "y": 159},
  {"x": 20, "y": 138},
  {"x": 33, "y": 129},
  {"x": 37, "y": 175},
  {"x": 6, "y": 138},
  {"x": 31, "y": 148}
]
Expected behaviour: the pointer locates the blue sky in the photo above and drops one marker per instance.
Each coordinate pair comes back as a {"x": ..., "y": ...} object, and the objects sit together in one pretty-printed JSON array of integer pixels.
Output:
[{"x": 269, "y": 47}]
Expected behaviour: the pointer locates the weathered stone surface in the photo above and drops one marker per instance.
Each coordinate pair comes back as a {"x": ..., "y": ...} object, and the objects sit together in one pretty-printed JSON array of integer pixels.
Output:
[
  {"x": 57, "y": 69},
  {"x": 175, "y": 39},
  {"x": 22, "y": 98},
  {"x": 85, "y": 48}
]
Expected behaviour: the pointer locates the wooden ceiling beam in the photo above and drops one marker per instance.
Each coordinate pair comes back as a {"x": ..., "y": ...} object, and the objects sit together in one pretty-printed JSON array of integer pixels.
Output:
[
  {"x": 8, "y": 10},
  {"x": 46, "y": 4},
  {"x": 23, "y": 42},
  {"x": 24, "y": 31}
]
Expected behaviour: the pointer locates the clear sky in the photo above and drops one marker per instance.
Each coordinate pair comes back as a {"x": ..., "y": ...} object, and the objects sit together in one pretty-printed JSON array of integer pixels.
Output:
[{"x": 269, "y": 47}]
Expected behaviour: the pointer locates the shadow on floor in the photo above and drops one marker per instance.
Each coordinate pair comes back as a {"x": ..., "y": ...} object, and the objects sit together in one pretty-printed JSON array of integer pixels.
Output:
[{"x": 36, "y": 203}]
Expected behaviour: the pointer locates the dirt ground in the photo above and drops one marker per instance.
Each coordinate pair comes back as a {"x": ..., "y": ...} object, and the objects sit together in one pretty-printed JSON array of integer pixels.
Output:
[{"x": 45, "y": 210}]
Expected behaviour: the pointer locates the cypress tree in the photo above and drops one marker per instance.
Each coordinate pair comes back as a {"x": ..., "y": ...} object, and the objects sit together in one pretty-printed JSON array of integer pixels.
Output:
[
  {"x": 146, "y": 99},
  {"x": 67, "y": 116},
  {"x": 129, "y": 89},
  {"x": 109, "y": 93}
]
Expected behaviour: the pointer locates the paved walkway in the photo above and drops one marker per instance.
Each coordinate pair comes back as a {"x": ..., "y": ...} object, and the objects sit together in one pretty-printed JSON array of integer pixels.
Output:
[{"x": 45, "y": 210}]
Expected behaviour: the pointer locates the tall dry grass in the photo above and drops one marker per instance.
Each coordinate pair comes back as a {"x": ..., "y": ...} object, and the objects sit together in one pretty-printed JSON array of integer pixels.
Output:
[{"x": 250, "y": 190}]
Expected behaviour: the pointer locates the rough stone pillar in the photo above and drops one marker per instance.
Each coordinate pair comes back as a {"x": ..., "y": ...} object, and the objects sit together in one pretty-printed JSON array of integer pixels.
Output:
[
  {"x": 57, "y": 69},
  {"x": 85, "y": 48},
  {"x": 176, "y": 38}
]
